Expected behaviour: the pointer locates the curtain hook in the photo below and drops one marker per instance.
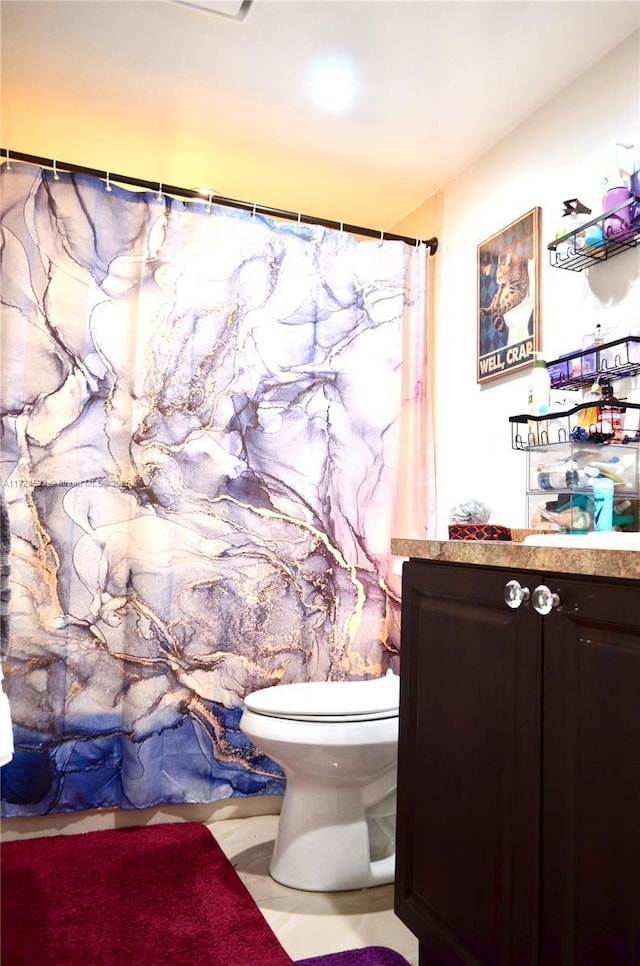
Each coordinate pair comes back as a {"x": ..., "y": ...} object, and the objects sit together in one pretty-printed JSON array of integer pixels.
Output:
[
  {"x": 108, "y": 186},
  {"x": 56, "y": 176},
  {"x": 253, "y": 213},
  {"x": 341, "y": 227},
  {"x": 209, "y": 203},
  {"x": 8, "y": 160},
  {"x": 159, "y": 195},
  {"x": 381, "y": 242},
  {"x": 299, "y": 217}
]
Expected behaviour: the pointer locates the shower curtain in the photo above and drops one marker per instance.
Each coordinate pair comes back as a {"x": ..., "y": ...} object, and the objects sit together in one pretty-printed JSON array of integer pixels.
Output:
[{"x": 202, "y": 415}]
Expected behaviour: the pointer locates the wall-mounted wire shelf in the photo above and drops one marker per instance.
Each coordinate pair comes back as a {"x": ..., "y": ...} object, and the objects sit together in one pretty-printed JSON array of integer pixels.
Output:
[
  {"x": 528, "y": 432},
  {"x": 569, "y": 252},
  {"x": 610, "y": 360}
]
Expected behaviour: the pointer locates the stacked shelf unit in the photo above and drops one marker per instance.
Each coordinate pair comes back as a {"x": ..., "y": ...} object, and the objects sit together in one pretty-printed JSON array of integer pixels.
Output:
[{"x": 568, "y": 448}]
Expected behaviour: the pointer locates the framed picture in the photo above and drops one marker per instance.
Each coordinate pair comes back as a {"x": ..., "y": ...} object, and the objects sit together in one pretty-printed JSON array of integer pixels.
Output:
[{"x": 509, "y": 298}]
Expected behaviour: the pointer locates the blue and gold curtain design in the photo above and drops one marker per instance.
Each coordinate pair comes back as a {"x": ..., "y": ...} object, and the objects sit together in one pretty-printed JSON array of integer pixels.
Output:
[{"x": 201, "y": 417}]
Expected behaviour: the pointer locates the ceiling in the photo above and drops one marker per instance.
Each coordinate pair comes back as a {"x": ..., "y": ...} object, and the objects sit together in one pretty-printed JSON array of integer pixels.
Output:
[{"x": 438, "y": 83}]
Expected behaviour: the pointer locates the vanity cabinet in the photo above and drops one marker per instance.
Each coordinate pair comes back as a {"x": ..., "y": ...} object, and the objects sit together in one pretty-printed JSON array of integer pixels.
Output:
[{"x": 518, "y": 826}]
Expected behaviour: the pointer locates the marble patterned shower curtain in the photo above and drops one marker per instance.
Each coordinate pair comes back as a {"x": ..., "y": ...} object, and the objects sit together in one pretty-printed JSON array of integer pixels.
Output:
[{"x": 201, "y": 422}]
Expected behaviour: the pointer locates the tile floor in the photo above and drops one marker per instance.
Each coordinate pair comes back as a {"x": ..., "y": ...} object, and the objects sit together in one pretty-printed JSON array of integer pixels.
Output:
[{"x": 310, "y": 923}]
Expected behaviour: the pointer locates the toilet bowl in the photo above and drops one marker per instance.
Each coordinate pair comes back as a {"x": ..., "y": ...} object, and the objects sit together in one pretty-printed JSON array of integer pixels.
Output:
[{"x": 337, "y": 743}]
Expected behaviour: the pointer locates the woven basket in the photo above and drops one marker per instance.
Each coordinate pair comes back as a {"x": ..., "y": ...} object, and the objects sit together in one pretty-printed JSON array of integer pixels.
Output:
[{"x": 519, "y": 533}]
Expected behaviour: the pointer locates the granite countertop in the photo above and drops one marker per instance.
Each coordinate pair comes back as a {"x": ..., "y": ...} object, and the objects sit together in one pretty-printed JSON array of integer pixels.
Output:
[{"x": 487, "y": 553}]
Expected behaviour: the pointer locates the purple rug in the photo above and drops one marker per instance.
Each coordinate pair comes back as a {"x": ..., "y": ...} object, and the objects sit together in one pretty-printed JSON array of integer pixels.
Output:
[{"x": 369, "y": 956}]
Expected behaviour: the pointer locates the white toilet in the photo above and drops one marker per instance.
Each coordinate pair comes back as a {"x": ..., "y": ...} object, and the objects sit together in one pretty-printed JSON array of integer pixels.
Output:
[{"x": 337, "y": 743}]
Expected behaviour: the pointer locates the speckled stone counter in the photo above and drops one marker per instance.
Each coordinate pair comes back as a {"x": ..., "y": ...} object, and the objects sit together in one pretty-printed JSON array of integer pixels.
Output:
[{"x": 564, "y": 560}]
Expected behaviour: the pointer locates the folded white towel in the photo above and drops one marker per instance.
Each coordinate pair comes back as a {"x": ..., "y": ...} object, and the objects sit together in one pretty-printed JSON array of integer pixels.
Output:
[{"x": 6, "y": 728}]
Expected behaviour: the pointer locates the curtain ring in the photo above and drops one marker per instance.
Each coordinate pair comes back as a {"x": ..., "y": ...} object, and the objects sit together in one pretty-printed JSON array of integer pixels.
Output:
[
  {"x": 56, "y": 176},
  {"x": 108, "y": 185},
  {"x": 159, "y": 195},
  {"x": 418, "y": 244},
  {"x": 299, "y": 217},
  {"x": 209, "y": 202},
  {"x": 381, "y": 242},
  {"x": 253, "y": 213},
  {"x": 8, "y": 160},
  {"x": 341, "y": 227}
]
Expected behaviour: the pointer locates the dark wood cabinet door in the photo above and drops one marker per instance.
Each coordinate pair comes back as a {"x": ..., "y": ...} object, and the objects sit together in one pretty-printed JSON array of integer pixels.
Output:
[
  {"x": 469, "y": 767},
  {"x": 590, "y": 906}
]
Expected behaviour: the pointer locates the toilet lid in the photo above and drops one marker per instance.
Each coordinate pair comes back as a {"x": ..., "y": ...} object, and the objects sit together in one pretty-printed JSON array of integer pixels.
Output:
[{"x": 330, "y": 700}]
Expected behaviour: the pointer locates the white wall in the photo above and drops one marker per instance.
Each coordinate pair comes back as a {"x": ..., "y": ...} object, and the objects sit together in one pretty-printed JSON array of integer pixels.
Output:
[{"x": 560, "y": 152}]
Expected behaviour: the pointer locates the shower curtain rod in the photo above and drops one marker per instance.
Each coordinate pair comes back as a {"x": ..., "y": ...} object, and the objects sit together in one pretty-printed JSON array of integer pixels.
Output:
[{"x": 213, "y": 198}]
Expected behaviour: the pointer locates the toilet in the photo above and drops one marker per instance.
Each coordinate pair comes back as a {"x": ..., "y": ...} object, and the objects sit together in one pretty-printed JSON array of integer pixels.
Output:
[{"x": 337, "y": 743}]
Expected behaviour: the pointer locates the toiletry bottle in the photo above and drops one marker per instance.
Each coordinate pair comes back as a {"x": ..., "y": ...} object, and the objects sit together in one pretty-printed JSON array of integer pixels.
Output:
[
  {"x": 588, "y": 417},
  {"x": 539, "y": 400},
  {"x": 603, "y": 503},
  {"x": 613, "y": 469},
  {"x": 612, "y": 414},
  {"x": 560, "y": 475},
  {"x": 598, "y": 335},
  {"x": 589, "y": 361}
]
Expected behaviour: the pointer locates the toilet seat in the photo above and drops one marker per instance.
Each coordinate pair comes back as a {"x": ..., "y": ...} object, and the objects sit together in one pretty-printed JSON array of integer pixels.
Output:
[{"x": 330, "y": 701}]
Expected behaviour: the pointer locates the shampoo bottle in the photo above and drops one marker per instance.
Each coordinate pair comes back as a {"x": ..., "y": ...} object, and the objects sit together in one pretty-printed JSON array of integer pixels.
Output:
[
  {"x": 539, "y": 400},
  {"x": 603, "y": 503},
  {"x": 612, "y": 414}
]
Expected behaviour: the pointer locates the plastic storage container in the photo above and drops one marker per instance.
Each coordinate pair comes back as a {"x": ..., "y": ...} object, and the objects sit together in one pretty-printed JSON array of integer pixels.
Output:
[{"x": 560, "y": 486}]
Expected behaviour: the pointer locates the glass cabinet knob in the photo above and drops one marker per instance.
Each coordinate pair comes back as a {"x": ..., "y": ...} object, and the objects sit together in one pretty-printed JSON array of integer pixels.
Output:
[
  {"x": 514, "y": 594},
  {"x": 544, "y": 600}
]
